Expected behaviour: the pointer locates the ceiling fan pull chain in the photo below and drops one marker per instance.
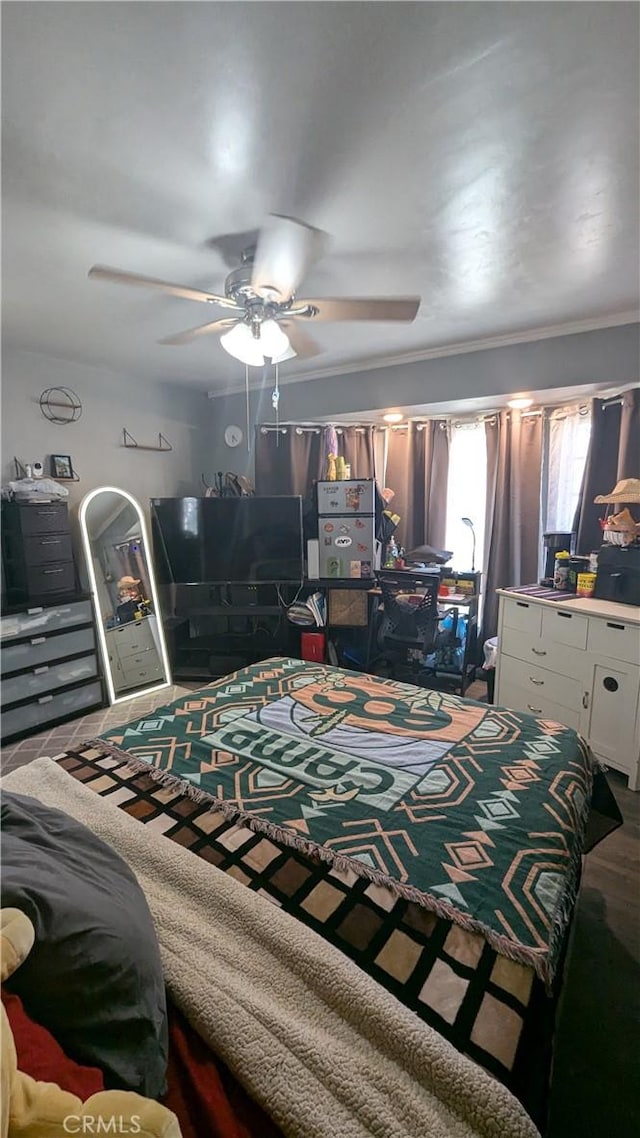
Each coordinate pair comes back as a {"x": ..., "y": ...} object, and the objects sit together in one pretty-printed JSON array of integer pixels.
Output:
[
  {"x": 246, "y": 396},
  {"x": 275, "y": 399}
]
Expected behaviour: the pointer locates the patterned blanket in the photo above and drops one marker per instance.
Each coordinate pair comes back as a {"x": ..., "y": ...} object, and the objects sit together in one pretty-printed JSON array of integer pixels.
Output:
[
  {"x": 471, "y": 811},
  {"x": 322, "y": 1047},
  {"x": 492, "y": 1009}
]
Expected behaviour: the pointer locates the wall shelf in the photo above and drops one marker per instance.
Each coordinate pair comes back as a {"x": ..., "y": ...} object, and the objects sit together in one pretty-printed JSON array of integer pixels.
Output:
[
  {"x": 21, "y": 472},
  {"x": 128, "y": 440}
]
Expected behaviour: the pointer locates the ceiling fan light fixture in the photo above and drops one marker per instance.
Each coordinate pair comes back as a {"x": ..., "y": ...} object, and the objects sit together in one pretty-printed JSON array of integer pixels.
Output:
[
  {"x": 274, "y": 343},
  {"x": 240, "y": 343}
]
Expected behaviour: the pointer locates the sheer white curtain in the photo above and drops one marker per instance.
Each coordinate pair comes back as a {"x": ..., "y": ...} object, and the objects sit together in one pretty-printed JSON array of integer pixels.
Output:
[
  {"x": 568, "y": 442},
  {"x": 380, "y": 451},
  {"x": 466, "y": 493}
]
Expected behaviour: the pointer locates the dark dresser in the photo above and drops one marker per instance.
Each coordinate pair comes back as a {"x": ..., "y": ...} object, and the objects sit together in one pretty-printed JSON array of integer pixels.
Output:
[
  {"x": 37, "y": 553},
  {"x": 49, "y": 661},
  {"x": 49, "y": 665}
]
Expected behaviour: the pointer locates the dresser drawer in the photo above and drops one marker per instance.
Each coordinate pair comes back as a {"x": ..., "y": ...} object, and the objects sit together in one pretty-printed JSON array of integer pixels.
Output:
[
  {"x": 614, "y": 638},
  {"x": 523, "y": 616},
  {"x": 48, "y": 708},
  {"x": 518, "y": 698},
  {"x": 48, "y": 518},
  {"x": 41, "y": 580},
  {"x": 47, "y": 678},
  {"x": 43, "y": 548},
  {"x": 538, "y": 682},
  {"x": 564, "y": 628},
  {"x": 36, "y": 621},
  {"x": 131, "y": 639},
  {"x": 41, "y": 649},
  {"x": 545, "y": 653},
  {"x": 147, "y": 659},
  {"x": 133, "y": 677}
]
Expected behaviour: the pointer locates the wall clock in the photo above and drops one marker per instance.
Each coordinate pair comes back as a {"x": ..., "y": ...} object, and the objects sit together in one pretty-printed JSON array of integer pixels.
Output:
[{"x": 232, "y": 435}]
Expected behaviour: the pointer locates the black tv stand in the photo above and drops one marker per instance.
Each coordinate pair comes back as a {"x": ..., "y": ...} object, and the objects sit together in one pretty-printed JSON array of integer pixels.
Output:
[{"x": 212, "y": 630}]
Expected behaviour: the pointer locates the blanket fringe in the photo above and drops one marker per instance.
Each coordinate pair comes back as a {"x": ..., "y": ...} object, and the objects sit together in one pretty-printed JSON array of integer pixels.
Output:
[
  {"x": 565, "y": 907},
  {"x": 535, "y": 958}
]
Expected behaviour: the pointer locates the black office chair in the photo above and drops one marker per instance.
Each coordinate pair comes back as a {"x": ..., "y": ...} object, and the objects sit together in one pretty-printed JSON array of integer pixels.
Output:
[{"x": 408, "y": 628}]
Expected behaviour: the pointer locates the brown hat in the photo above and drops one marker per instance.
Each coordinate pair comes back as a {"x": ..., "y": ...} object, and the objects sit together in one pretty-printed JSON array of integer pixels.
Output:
[
  {"x": 627, "y": 490},
  {"x": 128, "y": 582}
]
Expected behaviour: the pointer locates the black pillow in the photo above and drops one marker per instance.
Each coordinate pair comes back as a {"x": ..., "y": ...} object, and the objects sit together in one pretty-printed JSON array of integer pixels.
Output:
[{"x": 94, "y": 976}]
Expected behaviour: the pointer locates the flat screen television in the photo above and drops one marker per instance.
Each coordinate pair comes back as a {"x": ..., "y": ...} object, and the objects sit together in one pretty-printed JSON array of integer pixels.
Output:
[{"x": 228, "y": 540}]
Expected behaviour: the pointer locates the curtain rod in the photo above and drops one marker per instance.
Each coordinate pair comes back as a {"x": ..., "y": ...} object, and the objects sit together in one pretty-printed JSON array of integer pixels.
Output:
[
  {"x": 492, "y": 417},
  {"x": 487, "y": 417},
  {"x": 559, "y": 413},
  {"x": 316, "y": 429}
]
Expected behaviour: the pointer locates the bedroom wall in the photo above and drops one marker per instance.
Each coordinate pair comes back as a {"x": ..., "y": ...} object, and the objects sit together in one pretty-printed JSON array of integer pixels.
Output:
[
  {"x": 110, "y": 402},
  {"x": 607, "y": 355}
]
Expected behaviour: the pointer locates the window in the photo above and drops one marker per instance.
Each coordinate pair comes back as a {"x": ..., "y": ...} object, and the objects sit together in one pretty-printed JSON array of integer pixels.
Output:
[
  {"x": 466, "y": 494},
  {"x": 567, "y": 441}
]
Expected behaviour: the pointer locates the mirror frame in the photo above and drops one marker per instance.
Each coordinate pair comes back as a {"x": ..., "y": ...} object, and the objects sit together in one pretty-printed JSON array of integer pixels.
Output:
[{"x": 88, "y": 554}]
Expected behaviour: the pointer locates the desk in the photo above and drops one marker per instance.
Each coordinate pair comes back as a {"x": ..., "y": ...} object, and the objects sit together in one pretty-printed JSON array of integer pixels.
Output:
[{"x": 213, "y": 630}]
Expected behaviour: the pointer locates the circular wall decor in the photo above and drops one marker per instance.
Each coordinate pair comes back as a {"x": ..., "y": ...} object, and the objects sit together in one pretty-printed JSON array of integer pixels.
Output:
[
  {"x": 60, "y": 405},
  {"x": 233, "y": 435}
]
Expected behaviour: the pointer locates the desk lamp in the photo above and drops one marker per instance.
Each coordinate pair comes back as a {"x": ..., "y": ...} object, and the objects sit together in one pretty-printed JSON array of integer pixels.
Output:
[{"x": 469, "y": 523}]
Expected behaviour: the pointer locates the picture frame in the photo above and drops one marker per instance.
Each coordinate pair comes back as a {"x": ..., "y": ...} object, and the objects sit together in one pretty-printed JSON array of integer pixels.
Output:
[{"x": 61, "y": 466}]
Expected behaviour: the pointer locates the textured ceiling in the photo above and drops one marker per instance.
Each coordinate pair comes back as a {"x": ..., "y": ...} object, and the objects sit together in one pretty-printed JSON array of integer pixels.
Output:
[{"x": 484, "y": 156}]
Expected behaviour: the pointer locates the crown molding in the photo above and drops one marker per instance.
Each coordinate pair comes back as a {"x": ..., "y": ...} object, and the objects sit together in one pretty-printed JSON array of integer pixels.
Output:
[{"x": 547, "y": 332}]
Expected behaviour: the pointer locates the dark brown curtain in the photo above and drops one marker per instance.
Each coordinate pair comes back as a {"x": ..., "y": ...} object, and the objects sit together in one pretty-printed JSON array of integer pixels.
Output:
[
  {"x": 614, "y": 453},
  {"x": 512, "y": 525},
  {"x": 417, "y": 470},
  {"x": 356, "y": 445},
  {"x": 288, "y": 461}
]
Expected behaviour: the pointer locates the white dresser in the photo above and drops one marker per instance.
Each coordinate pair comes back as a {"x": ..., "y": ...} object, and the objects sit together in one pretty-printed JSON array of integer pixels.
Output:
[
  {"x": 576, "y": 662},
  {"x": 133, "y": 654}
]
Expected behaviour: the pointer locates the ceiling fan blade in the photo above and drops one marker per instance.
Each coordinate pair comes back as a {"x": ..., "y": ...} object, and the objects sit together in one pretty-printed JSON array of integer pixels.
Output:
[
  {"x": 102, "y": 272},
  {"x": 203, "y": 330},
  {"x": 286, "y": 248},
  {"x": 302, "y": 343},
  {"x": 327, "y": 308}
]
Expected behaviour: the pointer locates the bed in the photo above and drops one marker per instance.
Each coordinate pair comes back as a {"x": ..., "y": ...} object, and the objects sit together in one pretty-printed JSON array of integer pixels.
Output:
[{"x": 433, "y": 841}]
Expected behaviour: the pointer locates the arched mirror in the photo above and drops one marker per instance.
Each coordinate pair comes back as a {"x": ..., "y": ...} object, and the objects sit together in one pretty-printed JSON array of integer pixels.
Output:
[{"x": 124, "y": 593}]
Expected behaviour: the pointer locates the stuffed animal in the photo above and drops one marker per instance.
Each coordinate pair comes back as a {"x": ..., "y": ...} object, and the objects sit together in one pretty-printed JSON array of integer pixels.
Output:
[{"x": 33, "y": 1109}]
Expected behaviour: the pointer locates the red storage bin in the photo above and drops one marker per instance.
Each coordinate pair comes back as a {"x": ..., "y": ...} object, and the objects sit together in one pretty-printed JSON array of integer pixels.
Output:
[{"x": 312, "y": 646}]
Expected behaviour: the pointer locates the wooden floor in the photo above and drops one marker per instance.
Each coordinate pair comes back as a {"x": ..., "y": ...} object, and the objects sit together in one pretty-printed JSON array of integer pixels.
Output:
[{"x": 596, "y": 1080}]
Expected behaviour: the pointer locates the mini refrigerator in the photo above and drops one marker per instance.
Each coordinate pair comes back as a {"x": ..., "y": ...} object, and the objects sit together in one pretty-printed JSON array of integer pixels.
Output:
[{"x": 347, "y": 528}]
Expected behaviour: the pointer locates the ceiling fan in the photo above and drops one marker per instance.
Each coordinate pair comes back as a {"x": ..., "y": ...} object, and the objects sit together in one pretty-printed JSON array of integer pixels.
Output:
[{"x": 266, "y": 319}]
